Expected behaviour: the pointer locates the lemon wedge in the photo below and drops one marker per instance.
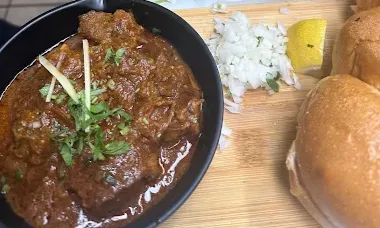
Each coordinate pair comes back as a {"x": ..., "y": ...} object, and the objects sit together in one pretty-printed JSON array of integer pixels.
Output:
[{"x": 305, "y": 46}]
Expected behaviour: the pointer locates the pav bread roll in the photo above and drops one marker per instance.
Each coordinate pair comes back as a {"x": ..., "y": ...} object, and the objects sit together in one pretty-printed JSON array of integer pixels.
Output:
[
  {"x": 357, "y": 47},
  {"x": 334, "y": 162},
  {"x": 362, "y": 5}
]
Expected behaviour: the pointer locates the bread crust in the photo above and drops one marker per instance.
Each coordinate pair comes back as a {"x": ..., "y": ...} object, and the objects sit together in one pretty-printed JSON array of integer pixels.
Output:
[
  {"x": 362, "y": 5},
  {"x": 357, "y": 47},
  {"x": 334, "y": 162}
]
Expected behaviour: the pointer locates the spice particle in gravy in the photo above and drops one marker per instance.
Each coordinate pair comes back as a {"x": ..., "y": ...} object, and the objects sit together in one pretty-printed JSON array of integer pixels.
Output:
[{"x": 97, "y": 149}]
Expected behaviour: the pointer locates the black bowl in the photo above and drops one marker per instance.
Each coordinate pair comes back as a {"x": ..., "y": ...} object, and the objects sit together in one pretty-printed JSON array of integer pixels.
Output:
[{"x": 46, "y": 30}]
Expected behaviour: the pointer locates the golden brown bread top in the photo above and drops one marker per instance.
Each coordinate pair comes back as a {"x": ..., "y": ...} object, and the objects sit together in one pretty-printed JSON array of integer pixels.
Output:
[
  {"x": 357, "y": 47},
  {"x": 362, "y": 5},
  {"x": 338, "y": 150}
]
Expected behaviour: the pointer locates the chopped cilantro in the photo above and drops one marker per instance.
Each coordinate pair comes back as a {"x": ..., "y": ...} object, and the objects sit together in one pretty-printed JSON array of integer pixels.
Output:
[
  {"x": 125, "y": 115},
  {"x": 3, "y": 184},
  {"x": 118, "y": 55},
  {"x": 273, "y": 84},
  {"x": 61, "y": 98},
  {"x": 19, "y": 175},
  {"x": 45, "y": 90},
  {"x": 109, "y": 54},
  {"x": 66, "y": 154},
  {"x": 87, "y": 131},
  {"x": 259, "y": 40},
  {"x": 124, "y": 131},
  {"x": 310, "y": 45},
  {"x": 115, "y": 56},
  {"x": 97, "y": 153},
  {"x": 229, "y": 94},
  {"x": 117, "y": 147},
  {"x": 156, "y": 30},
  {"x": 277, "y": 76},
  {"x": 5, "y": 188}
]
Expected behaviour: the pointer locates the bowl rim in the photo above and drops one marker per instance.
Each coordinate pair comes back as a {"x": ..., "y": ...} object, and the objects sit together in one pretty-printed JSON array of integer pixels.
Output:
[{"x": 162, "y": 216}]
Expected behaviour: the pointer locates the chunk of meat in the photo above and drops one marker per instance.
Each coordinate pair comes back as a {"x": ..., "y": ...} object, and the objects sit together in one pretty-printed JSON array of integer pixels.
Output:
[
  {"x": 123, "y": 93},
  {"x": 100, "y": 26},
  {"x": 154, "y": 119},
  {"x": 96, "y": 26},
  {"x": 89, "y": 182}
]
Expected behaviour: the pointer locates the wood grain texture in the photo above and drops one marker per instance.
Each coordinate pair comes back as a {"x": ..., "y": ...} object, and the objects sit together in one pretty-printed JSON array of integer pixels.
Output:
[{"x": 247, "y": 185}]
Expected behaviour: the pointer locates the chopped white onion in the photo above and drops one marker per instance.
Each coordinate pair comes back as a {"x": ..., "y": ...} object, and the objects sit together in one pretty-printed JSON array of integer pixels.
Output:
[
  {"x": 237, "y": 99},
  {"x": 226, "y": 131},
  {"x": 284, "y": 10},
  {"x": 35, "y": 125},
  {"x": 230, "y": 103},
  {"x": 218, "y": 7},
  {"x": 234, "y": 110},
  {"x": 247, "y": 56},
  {"x": 223, "y": 143}
]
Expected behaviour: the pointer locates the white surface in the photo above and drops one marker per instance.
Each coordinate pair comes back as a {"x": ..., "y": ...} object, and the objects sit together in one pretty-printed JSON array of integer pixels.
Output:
[{"x": 187, "y": 4}]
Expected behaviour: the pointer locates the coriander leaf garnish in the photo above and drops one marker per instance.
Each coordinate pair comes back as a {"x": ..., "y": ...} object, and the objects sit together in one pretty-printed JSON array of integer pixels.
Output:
[
  {"x": 115, "y": 56},
  {"x": 66, "y": 155},
  {"x": 124, "y": 128},
  {"x": 117, "y": 147},
  {"x": 19, "y": 175},
  {"x": 45, "y": 90},
  {"x": 109, "y": 55},
  {"x": 3, "y": 184},
  {"x": 156, "y": 30},
  {"x": 96, "y": 153},
  {"x": 277, "y": 76},
  {"x": 125, "y": 115},
  {"x": 60, "y": 98},
  {"x": 96, "y": 92},
  {"x": 121, "y": 126},
  {"x": 229, "y": 94},
  {"x": 80, "y": 144},
  {"x": 124, "y": 131},
  {"x": 118, "y": 55},
  {"x": 273, "y": 84},
  {"x": 98, "y": 108},
  {"x": 259, "y": 40},
  {"x": 5, "y": 188},
  {"x": 87, "y": 114},
  {"x": 88, "y": 132}
]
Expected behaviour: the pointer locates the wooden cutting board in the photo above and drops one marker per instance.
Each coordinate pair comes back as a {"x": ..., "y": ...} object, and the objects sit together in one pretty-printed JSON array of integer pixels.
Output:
[{"x": 247, "y": 184}]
